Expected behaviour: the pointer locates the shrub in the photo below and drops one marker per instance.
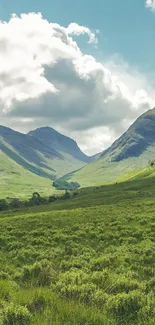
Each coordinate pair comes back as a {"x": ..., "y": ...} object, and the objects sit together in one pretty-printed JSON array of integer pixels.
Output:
[
  {"x": 124, "y": 285},
  {"x": 52, "y": 198},
  {"x": 151, "y": 163},
  {"x": 3, "y": 205},
  {"x": 16, "y": 315},
  {"x": 38, "y": 304},
  {"x": 15, "y": 204},
  {"x": 126, "y": 305},
  {"x": 7, "y": 289},
  {"x": 61, "y": 184},
  {"x": 39, "y": 273},
  {"x": 100, "y": 298},
  {"x": 66, "y": 195}
]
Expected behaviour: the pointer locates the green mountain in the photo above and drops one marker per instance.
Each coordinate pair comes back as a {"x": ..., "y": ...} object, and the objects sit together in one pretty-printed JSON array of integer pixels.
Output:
[
  {"x": 34, "y": 160},
  {"x": 132, "y": 151}
]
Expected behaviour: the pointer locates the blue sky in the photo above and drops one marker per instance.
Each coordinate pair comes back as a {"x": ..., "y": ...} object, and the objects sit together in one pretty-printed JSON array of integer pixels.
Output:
[
  {"x": 126, "y": 27},
  {"x": 54, "y": 74}
]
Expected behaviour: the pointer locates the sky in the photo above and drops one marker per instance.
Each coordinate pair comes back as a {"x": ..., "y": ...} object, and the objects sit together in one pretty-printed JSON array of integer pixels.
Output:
[{"x": 86, "y": 68}]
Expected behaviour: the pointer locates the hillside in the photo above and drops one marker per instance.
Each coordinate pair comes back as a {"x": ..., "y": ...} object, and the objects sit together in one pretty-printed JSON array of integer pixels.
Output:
[
  {"x": 47, "y": 158},
  {"x": 143, "y": 174},
  {"x": 140, "y": 137},
  {"x": 87, "y": 260},
  {"x": 53, "y": 139},
  {"x": 132, "y": 151},
  {"x": 17, "y": 181}
]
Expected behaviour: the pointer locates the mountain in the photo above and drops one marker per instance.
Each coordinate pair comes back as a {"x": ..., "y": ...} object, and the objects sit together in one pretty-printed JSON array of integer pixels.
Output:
[
  {"x": 61, "y": 143},
  {"x": 27, "y": 152},
  {"x": 36, "y": 158},
  {"x": 132, "y": 151},
  {"x": 138, "y": 138}
]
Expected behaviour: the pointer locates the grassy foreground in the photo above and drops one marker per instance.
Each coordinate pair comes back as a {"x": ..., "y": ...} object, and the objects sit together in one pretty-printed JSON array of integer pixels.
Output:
[{"x": 87, "y": 261}]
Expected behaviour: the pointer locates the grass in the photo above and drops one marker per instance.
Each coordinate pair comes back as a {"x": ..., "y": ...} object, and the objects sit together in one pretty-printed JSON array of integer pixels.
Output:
[
  {"x": 15, "y": 181},
  {"x": 31, "y": 160},
  {"x": 103, "y": 171},
  {"x": 87, "y": 260}
]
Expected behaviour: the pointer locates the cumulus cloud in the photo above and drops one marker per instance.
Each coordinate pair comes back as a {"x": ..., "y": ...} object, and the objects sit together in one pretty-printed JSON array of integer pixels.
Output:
[
  {"x": 75, "y": 29},
  {"x": 45, "y": 79},
  {"x": 150, "y": 4}
]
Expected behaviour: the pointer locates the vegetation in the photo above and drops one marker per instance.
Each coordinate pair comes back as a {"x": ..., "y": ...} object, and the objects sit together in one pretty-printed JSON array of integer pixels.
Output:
[
  {"x": 61, "y": 184},
  {"x": 29, "y": 163},
  {"x": 16, "y": 181},
  {"x": 36, "y": 199},
  {"x": 89, "y": 259},
  {"x": 131, "y": 152}
]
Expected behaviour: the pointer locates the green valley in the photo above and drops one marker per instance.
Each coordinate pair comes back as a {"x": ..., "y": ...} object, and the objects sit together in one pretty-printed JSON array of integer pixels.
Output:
[
  {"x": 29, "y": 163},
  {"x": 77, "y": 162}
]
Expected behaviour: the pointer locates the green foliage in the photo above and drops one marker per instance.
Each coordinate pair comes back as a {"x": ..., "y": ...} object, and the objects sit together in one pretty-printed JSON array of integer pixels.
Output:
[
  {"x": 152, "y": 163},
  {"x": 3, "y": 205},
  {"x": 61, "y": 184},
  {"x": 39, "y": 274},
  {"x": 16, "y": 315},
  {"x": 88, "y": 259},
  {"x": 126, "y": 305}
]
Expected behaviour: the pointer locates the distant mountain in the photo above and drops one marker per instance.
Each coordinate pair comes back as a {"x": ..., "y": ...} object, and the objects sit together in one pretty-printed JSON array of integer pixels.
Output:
[
  {"x": 44, "y": 153},
  {"x": 53, "y": 139},
  {"x": 50, "y": 155},
  {"x": 132, "y": 151}
]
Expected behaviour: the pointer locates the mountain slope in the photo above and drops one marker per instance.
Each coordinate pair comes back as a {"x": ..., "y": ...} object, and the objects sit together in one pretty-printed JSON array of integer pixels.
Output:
[
  {"x": 27, "y": 152},
  {"x": 142, "y": 174},
  {"x": 139, "y": 137},
  {"x": 61, "y": 143},
  {"x": 16, "y": 181},
  {"x": 37, "y": 157},
  {"x": 132, "y": 151}
]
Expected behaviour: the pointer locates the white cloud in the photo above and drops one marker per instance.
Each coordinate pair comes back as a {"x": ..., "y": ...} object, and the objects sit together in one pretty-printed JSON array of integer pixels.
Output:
[
  {"x": 45, "y": 79},
  {"x": 75, "y": 29},
  {"x": 150, "y": 4},
  {"x": 94, "y": 140}
]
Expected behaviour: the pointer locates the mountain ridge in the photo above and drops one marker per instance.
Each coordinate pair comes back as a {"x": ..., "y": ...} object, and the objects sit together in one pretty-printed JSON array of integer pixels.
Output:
[
  {"x": 25, "y": 154},
  {"x": 60, "y": 142},
  {"x": 139, "y": 136}
]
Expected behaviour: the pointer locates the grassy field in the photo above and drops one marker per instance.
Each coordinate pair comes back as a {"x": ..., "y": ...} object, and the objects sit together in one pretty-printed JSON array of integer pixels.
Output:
[
  {"x": 104, "y": 171},
  {"x": 89, "y": 260},
  {"x": 16, "y": 181},
  {"x": 20, "y": 177}
]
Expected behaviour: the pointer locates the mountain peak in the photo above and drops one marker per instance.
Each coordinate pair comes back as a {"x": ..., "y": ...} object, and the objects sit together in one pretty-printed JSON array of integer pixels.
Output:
[
  {"x": 139, "y": 136},
  {"x": 47, "y": 131},
  {"x": 61, "y": 143},
  {"x": 4, "y": 129}
]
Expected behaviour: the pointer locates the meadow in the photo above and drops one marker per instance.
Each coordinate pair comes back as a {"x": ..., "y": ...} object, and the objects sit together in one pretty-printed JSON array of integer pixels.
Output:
[{"x": 88, "y": 260}]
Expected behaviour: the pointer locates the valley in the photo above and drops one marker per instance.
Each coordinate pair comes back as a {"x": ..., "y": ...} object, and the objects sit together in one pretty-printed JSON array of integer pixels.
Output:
[
  {"x": 77, "y": 162},
  {"x": 78, "y": 256}
]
